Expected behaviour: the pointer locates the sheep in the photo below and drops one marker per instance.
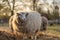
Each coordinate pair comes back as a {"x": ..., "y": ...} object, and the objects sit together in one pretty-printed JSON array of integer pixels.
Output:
[
  {"x": 31, "y": 24},
  {"x": 34, "y": 21},
  {"x": 44, "y": 24},
  {"x": 17, "y": 22}
]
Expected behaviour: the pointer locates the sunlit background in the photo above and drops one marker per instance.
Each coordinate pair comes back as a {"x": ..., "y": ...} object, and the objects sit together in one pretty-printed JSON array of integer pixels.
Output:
[
  {"x": 51, "y": 8},
  {"x": 26, "y": 5}
]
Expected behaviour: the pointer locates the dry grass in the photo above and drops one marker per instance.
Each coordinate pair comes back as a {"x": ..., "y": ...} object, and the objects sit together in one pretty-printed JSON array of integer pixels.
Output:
[
  {"x": 55, "y": 29},
  {"x": 52, "y": 33},
  {"x": 10, "y": 36}
]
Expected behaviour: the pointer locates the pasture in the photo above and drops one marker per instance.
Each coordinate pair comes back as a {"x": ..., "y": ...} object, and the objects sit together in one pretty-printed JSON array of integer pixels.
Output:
[
  {"x": 52, "y": 33},
  {"x": 54, "y": 29}
]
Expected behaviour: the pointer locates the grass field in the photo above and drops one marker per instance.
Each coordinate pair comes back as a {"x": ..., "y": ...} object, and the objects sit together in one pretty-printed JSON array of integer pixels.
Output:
[
  {"x": 55, "y": 29},
  {"x": 52, "y": 33}
]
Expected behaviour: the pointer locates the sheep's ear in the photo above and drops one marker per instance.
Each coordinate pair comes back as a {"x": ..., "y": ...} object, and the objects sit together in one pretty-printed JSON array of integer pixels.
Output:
[{"x": 27, "y": 14}]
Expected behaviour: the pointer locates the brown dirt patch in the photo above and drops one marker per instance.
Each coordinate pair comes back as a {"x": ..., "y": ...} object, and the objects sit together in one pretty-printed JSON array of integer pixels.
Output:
[{"x": 10, "y": 36}]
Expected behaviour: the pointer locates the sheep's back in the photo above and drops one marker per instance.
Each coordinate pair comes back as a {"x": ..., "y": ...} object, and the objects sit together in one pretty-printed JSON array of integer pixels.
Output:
[{"x": 33, "y": 22}]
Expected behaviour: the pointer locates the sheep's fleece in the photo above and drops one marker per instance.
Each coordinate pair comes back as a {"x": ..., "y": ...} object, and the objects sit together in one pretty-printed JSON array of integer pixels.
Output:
[{"x": 34, "y": 21}]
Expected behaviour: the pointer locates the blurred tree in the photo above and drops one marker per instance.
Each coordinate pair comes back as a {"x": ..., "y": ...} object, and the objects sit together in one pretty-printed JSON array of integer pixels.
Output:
[
  {"x": 34, "y": 4},
  {"x": 50, "y": 16},
  {"x": 13, "y": 2},
  {"x": 56, "y": 12},
  {"x": 1, "y": 6}
]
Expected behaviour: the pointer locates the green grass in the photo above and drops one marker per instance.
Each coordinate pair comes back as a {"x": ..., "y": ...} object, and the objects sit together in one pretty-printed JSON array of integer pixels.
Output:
[{"x": 55, "y": 29}]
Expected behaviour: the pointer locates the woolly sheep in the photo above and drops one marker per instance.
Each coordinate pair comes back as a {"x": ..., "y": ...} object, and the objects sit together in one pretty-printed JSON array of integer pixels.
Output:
[
  {"x": 44, "y": 23},
  {"x": 31, "y": 26},
  {"x": 17, "y": 22}
]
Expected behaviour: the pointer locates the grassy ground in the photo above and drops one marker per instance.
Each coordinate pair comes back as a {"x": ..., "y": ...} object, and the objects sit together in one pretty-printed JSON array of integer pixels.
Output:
[
  {"x": 52, "y": 33},
  {"x": 55, "y": 29}
]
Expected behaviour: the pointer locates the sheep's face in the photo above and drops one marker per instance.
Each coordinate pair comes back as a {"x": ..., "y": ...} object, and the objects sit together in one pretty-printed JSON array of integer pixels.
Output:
[{"x": 22, "y": 16}]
